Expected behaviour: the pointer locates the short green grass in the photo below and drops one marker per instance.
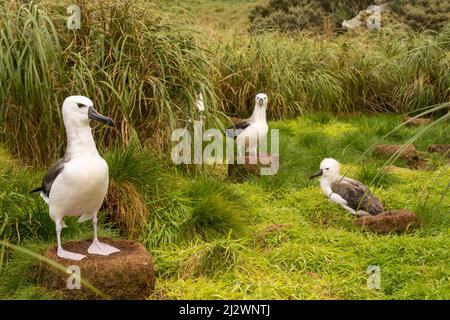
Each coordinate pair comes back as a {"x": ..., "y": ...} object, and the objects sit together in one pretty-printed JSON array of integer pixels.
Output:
[{"x": 295, "y": 244}]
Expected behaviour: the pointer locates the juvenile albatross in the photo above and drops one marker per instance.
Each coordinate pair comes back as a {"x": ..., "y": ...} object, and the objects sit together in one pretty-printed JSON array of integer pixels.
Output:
[
  {"x": 254, "y": 128},
  {"x": 351, "y": 194},
  {"x": 77, "y": 184}
]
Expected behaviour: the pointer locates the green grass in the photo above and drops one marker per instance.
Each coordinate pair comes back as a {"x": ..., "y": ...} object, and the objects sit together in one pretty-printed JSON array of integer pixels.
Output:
[{"x": 277, "y": 237}]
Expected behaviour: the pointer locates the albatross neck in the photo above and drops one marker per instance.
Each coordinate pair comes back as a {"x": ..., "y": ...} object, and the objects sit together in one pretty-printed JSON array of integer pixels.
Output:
[
  {"x": 328, "y": 181},
  {"x": 80, "y": 141},
  {"x": 259, "y": 114}
]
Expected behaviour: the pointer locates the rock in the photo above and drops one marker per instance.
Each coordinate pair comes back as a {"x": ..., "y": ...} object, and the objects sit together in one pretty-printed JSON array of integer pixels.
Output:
[
  {"x": 443, "y": 149},
  {"x": 128, "y": 274},
  {"x": 409, "y": 152},
  {"x": 411, "y": 121},
  {"x": 414, "y": 158},
  {"x": 388, "y": 221}
]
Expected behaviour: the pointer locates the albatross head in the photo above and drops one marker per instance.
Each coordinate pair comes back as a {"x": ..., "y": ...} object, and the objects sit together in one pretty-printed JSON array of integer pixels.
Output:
[
  {"x": 261, "y": 100},
  {"x": 77, "y": 111},
  {"x": 329, "y": 169}
]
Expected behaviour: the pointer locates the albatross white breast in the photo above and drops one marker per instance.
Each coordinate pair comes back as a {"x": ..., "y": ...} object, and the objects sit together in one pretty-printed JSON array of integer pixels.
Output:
[
  {"x": 77, "y": 184},
  {"x": 253, "y": 129},
  {"x": 351, "y": 194}
]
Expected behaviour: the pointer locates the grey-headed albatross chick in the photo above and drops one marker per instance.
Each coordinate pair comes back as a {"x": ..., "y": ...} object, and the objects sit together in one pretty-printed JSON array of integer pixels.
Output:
[
  {"x": 77, "y": 184},
  {"x": 351, "y": 194}
]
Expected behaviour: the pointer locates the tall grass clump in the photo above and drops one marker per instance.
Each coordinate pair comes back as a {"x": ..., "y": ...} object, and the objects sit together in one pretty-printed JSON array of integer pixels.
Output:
[
  {"x": 136, "y": 67},
  {"x": 200, "y": 259},
  {"x": 372, "y": 72},
  {"x": 216, "y": 209},
  {"x": 145, "y": 72},
  {"x": 136, "y": 177},
  {"x": 204, "y": 209}
]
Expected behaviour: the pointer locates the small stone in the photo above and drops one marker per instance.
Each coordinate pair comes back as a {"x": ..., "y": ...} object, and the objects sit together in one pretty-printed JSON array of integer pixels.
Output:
[{"x": 388, "y": 221}]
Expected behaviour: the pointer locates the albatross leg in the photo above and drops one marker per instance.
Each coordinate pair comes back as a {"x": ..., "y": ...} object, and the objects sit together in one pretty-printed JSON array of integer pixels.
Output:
[
  {"x": 98, "y": 247},
  {"x": 60, "y": 251}
]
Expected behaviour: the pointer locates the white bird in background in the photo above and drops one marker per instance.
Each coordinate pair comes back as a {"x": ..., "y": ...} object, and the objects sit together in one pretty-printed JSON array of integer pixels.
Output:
[
  {"x": 200, "y": 102},
  {"x": 253, "y": 129},
  {"x": 77, "y": 184},
  {"x": 351, "y": 194}
]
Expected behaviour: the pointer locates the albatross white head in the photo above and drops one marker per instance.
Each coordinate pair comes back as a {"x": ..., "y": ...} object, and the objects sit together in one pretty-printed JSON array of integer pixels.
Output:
[
  {"x": 259, "y": 113},
  {"x": 77, "y": 111},
  {"x": 329, "y": 170}
]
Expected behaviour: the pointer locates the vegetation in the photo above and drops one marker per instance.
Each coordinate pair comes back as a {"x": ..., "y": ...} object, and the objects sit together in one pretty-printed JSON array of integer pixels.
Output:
[
  {"x": 326, "y": 17},
  {"x": 272, "y": 237},
  {"x": 304, "y": 15},
  {"x": 146, "y": 77}
]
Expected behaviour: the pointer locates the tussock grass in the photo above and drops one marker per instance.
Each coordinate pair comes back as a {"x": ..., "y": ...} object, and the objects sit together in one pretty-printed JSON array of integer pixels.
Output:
[
  {"x": 145, "y": 71},
  {"x": 136, "y": 67},
  {"x": 200, "y": 259},
  {"x": 204, "y": 209},
  {"x": 216, "y": 210}
]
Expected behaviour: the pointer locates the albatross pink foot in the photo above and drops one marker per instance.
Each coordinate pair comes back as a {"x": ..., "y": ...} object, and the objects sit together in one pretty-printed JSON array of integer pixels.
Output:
[
  {"x": 100, "y": 248},
  {"x": 69, "y": 255}
]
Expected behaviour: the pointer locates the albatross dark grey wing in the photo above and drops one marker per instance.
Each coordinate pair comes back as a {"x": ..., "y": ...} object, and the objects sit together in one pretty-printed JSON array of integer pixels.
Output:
[
  {"x": 357, "y": 195},
  {"x": 238, "y": 128},
  {"x": 51, "y": 175}
]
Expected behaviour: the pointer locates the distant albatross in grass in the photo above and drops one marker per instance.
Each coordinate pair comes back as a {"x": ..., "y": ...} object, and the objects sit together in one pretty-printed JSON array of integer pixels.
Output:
[
  {"x": 253, "y": 129},
  {"x": 351, "y": 194},
  {"x": 77, "y": 184}
]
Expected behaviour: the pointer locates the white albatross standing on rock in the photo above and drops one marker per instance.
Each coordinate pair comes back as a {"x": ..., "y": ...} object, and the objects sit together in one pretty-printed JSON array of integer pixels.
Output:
[
  {"x": 351, "y": 194},
  {"x": 77, "y": 184},
  {"x": 254, "y": 128}
]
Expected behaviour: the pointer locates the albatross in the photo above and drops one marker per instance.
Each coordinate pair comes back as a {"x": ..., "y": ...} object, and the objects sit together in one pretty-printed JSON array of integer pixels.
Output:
[
  {"x": 77, "y": 183},
  {"x": 254, "y": 128},
  {"x": 349, "y": 193}
]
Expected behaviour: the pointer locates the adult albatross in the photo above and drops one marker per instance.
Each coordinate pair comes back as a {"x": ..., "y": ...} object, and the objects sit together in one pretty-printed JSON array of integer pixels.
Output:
[
  {"x": 77, "y": 184},
  {"x": 253, "y": 129},
  {"x": 351, "y": 194}
]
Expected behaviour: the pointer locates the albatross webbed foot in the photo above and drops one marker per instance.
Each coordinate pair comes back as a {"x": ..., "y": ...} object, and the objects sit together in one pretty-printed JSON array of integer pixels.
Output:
[
  {"x": 69, "y": 255},
  {"x": 100, "y": 248}
]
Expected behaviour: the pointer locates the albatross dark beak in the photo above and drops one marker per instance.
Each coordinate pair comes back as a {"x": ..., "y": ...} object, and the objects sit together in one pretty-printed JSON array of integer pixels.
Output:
[
  {"x": 94, "y": 115},
  {"x": 261, "y": 101},
  {"x": 317, "y": 174}
]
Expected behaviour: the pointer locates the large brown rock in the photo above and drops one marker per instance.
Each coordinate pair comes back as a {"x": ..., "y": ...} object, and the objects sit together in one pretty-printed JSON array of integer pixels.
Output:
[
  {"x": 414, "y": 158},
  {"x": 443, "y": 149},
  {"x": 409, "y": 151},
  {"x": 388, "y": 221},
  {"x": 128, "y": 274},
  {"x": 411, "y": 121}
]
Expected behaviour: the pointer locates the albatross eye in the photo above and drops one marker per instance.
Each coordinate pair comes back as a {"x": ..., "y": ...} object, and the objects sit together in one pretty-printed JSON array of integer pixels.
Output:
[{"x": 80, "y": 105}]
